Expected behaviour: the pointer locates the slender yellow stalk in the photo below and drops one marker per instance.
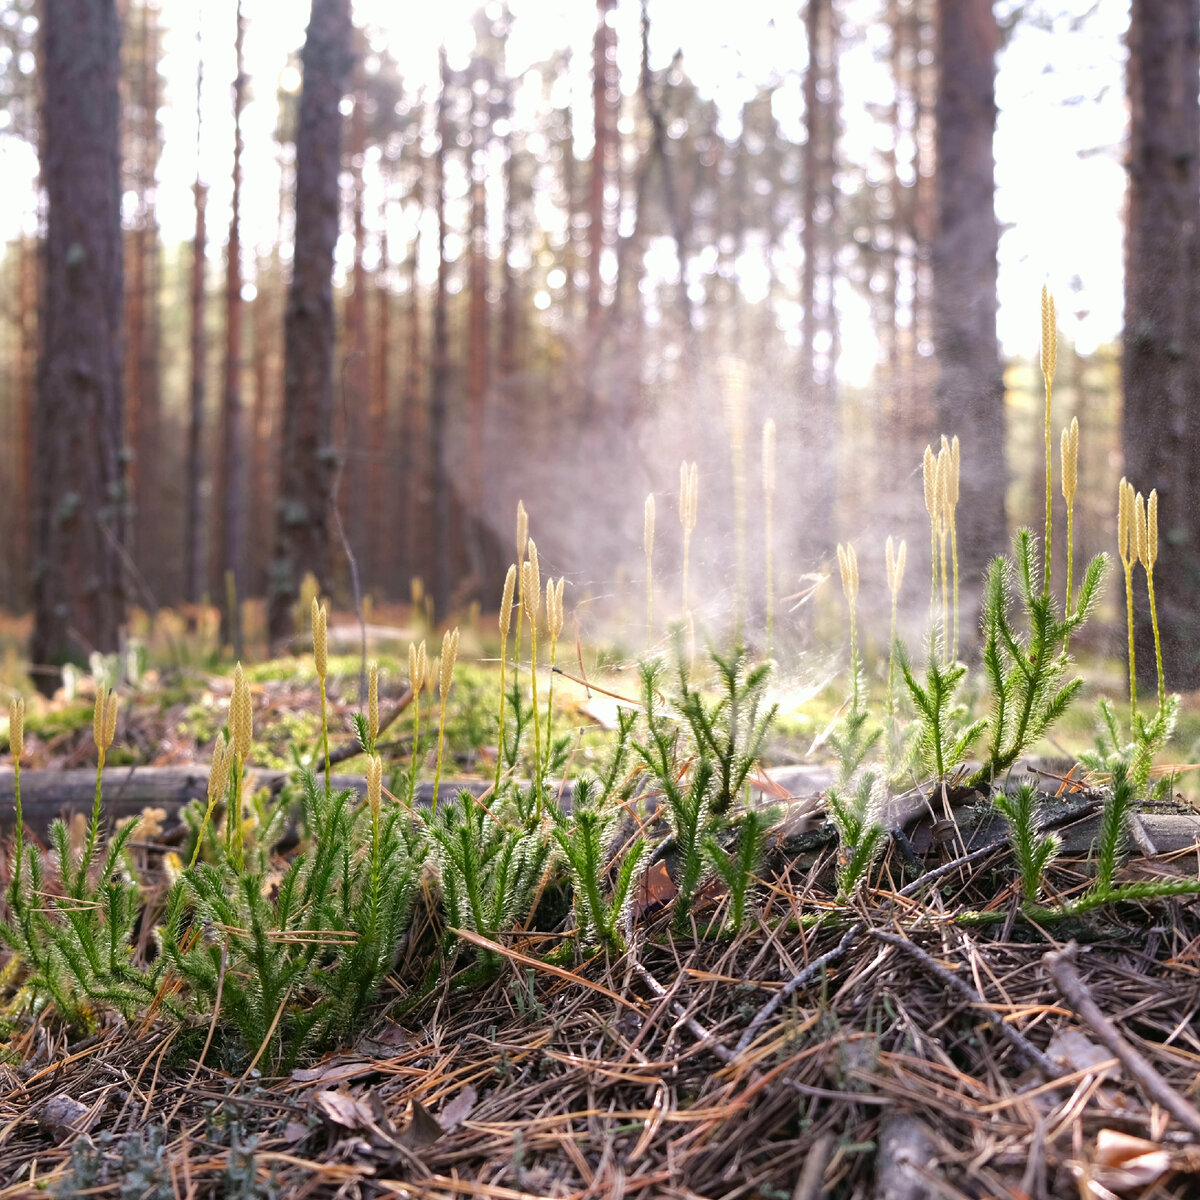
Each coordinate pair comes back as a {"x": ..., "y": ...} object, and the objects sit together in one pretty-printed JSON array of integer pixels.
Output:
[
  {"x": 241, "y": 736},
  {"x": 895, "y": 558},
  {"x": 531, "y": 600},
  {"x": 951, "y": 507},
  {"x": 1069, "y": 462},
  {"x": 1127, "y": 550},
  {"x": 375, "y": 789},
  {"x": 506, "y": 602},
  {"x": 100, "y": 721},
  {"x": 218, "y": 784},
  {"x": 554, "y": 626},
  {"x": 929, "y": 477},
  {"x": 16, "y": 747},
  {"x": 416, "y": 588},
  {"x": 1049, "y": 363},
  {"x": 375, "y": 801},
  {"x": 943, "y": 485},
  {"x": 104, "y": 728},
  {"x": 446, "y": 678},
  {"x": 1151, "y": 557},
  {"x": 372, "y": 706},
  {"x": 688, "y": 492},
  {"x": 416, "y": 681},
  {"x": 848, "y": 566},
  {"x": 648, "y": 514},
  {"x": 522, "y": 530},
  {"x": 768, "y": 482},
  {"x": 1139, "y": 528},
  {"x": 320, "y": 638},
  {"x": 16, "y": 729},
  {"x": 522, "y": 543}
]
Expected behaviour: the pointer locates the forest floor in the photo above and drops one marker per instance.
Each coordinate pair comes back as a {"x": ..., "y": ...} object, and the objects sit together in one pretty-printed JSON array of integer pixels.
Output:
[{"x": 928, "y": 1040}]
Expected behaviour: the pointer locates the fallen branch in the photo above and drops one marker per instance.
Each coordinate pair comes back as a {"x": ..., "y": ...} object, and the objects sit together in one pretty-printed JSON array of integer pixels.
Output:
[
  {"x": 1027, "y": 1051},
  {"x": 1061, "y": 964},
  {"x": 705, "y": 1037},
  {"x": 128, "y": 790},
  {"x": 349, "y": 749},
  {"x": 537, "y": 964}
]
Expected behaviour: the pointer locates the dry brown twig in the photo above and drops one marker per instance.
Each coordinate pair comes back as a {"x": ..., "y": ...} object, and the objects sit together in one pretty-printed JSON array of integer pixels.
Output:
[
  {"x": 1061, "y": 964},
  {"x": 705, "y": 1037},
  {"x": 350, "y": 749},
  {"x": 1028, "y": 1052}
]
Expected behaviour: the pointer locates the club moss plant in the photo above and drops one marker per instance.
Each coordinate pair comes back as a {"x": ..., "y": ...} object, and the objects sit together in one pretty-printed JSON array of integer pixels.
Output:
[{"x": 288, "y": 956}]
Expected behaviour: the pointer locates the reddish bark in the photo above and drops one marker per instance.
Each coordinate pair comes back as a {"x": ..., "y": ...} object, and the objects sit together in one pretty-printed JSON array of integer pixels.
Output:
[
  {"x": 439, "y": 382},
  {"x": 302, "y": 532},
  {"x": 1161, "y": 366},
  {"x": 970, "y": 389},
  {"x": 230, "y": 493},
  {"x": 194, "y": 462},
  {"x": 78, "y": 422}
]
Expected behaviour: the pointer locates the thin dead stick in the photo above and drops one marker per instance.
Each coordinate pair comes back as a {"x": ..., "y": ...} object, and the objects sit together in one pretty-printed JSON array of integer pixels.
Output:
[
  {"x": 704, "y": 1036},
  {"x": 595, "y": 687},
  {"x": 796, "y": 982},
  {"x": 811, "y": 1184},
  {"x": 212, "y": 1028},
  {"x": 350, "y": 749},
  {"x": 536, "y": 963},
  {"x": 266, "y": 1040},
  {"x": 1061, "y": 964},
  {"x": 1027, "y": 1051}
]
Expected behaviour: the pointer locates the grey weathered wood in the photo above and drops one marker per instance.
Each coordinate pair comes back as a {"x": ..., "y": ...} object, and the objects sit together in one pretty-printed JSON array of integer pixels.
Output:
[{"x": 127, "y": 790}]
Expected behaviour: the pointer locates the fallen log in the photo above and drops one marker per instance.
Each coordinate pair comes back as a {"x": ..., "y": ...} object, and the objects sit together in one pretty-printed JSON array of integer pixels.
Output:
[{"x": 127, "y": 790}]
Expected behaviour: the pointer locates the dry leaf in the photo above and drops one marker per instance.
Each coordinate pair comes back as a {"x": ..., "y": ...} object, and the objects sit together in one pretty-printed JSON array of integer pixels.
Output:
[
  {"x": 333, "y": 1070},
  {"x": 1128, "y": 1162},
  {"x": 1072, "y": 1050},
  {"x": 61, "y": 1116},
  {"x": 768, "y": 786},
  {"x": 423, "y": 1129},
  {"x": 390, "y": 1039},
  {"x": 295, "y": 1131},
  {"x": 343, "y": 1109},
  {"x": 456, "y": 1111},
  {"x": 654, "y": 891}
]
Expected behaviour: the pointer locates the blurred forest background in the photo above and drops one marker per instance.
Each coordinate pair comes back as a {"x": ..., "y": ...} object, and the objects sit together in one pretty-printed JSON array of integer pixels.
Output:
[{"x": 484, "y": 281}]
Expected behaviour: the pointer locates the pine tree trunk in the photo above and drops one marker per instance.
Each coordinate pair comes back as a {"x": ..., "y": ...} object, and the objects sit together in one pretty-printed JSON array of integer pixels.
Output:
[
  {"x": 142, "y": 390},
  {"x": 412, "y": 410},
  {"x": 78, "y": 518},
  {"x": 193, "y": 545},
  {"x": 1161, "y": 365},
  {"x": 380, "y": 473},
  {"x": 970, "y": 389},
  {"x": 439, "y": 383},
  {"x": 302, "y": 533},
  {"x": 478, "y": 319},
  {"x": 266, "y": 327},
  {"x": 351, "y": 381},
  {"x": 29, "y": 270},
  {"x": 227, "y": 582},
  {"x": 604, "y": 99},
  {"x": 818, "y": 378},
  {"x": 509, "y": 353}
]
